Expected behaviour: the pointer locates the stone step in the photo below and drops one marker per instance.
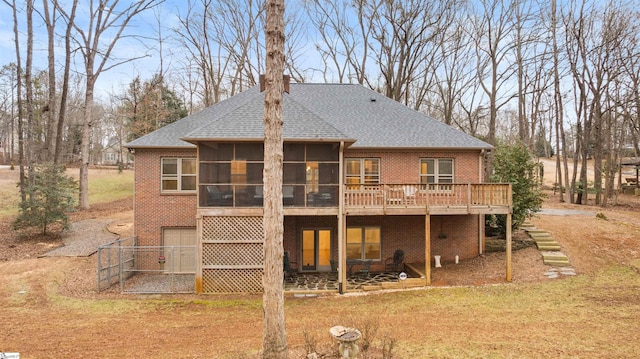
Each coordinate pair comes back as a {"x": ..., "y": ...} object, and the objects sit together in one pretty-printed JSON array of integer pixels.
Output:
[
  {"x": 545, "y": 240},
  {"x": 554, "y": 255},
  {"x": 536, "y": 231},
  {"x": 548, "y": 247},
  {"x": 539, "y": 234},
  {"x": 556, "y": 262}
]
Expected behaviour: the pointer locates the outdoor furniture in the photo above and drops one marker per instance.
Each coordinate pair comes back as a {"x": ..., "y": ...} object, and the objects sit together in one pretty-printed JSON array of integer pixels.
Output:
[
  {"x": 395, "y": 262},
  {"x": 258, "y": 196},
  {"x": 365, "y": 263},
  {"x": 395, "y": 196},
  {"x": 366, "y": 266},
  {"x": 289, "y": 270},
  {"x": 287, "y": 195},
  {"x": 218, "y": 198},
  {"x": 410, "y": 193},
  {"x": 334, "y": 268}
]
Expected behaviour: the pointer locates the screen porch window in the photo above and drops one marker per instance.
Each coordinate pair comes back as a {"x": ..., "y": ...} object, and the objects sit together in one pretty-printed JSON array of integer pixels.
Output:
[
  {"x": 362, "y": 170},
  {"x": 436, "y": 170},
  {"x": 178, "y": 175},
  {"x": 363, "y": 243}
]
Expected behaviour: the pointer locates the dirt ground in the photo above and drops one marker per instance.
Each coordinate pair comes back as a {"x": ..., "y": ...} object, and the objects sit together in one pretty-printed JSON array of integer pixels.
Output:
[{"x": 49, "y": 307}]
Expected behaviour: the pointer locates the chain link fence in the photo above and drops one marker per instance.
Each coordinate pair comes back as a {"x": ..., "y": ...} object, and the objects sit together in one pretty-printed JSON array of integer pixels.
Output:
[{"x": 146, "y": 269}]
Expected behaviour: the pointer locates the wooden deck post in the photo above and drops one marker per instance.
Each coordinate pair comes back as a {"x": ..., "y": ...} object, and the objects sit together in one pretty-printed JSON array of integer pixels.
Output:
[
  {"x": 508, "y": 249},
  {"x": 198, "y": 276},
  {"x": 342, "y": 225},
  {"x": 427, "y": 248}
]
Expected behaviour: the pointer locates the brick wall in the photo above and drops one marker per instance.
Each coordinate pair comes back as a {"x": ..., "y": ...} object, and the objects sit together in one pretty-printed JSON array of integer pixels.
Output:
[
  {"x": 153, "y": 210},
  {"x": 404, "y": 166},
  {"x": 460, "y": 236}
]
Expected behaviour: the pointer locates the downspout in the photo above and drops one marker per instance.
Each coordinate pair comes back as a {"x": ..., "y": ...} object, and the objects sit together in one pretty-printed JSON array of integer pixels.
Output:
[
  {"x": 342, "y": 275},
  {"x": 480, "y": 216}
]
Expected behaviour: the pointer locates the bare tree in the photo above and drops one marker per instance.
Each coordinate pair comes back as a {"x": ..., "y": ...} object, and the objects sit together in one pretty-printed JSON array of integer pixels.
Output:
[
  {"x": 561, "y": 139},
  {"x": 106, "y": 19},
  {"x": 64, "y": 93},
  {"x": 491, "y": 33},
  {"x": 344, "y": 37},
  {"x": 406, "y": 35},
  {"x": 50, "y": 23},
  {"x": 455, "y": 74},
  {"x": 19, "y": 102},
  {"x": 274, "y": 335}
]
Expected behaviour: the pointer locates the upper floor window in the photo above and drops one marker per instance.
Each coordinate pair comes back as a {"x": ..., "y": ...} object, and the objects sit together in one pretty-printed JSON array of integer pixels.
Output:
[
  {"x": 362, "y": 170},
  {"x": 178, "y": 175},
  {"x": 436, "y": 170}
]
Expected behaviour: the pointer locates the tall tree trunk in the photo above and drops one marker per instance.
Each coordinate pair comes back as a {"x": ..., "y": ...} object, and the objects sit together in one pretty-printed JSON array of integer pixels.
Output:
[
  {"x": 274, "y": 335},
  {"x": 65, "y": 83},
  {"x": 49, "y": 141},
  {"x": 16, "y": 34},
  {"x": 86, "y": 144},
  {"x": 29, "y": 144}
]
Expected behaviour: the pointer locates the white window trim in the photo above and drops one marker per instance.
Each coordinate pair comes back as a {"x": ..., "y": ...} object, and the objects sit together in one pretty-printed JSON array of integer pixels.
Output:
[
  {"x": 362, "y": 170},
  {"x": 178, "y": 176},
  {"x": 436, "y": 170}
]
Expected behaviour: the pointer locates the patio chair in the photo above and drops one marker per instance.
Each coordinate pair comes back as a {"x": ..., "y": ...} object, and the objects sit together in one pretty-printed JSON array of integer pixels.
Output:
[
  {"x": 218, "y": 198},
  {"x": 334, "y": 269},
  {"x": 287, "y": 195},
  {"x": 395, "y": 196},
  {"x": 410, "y": 193},
  {"x": 288, "y": 269},
  {"x": 366, "y": 267},
  {"x": 258, "y": 196},
  {"x": 396, "y": 262}
]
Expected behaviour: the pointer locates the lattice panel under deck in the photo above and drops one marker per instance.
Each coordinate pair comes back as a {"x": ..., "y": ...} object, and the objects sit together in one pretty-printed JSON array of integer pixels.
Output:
[
  {"x": 231, "y": 280},
  {"x": 220, "y": 228},
  {"x": 237, "y": 254}
]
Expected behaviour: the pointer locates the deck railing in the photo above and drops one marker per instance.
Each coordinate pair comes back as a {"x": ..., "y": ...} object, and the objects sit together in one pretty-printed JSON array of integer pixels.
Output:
[
  {"x": 470, "y": 195},
  {"x": 408, "y": 195}
]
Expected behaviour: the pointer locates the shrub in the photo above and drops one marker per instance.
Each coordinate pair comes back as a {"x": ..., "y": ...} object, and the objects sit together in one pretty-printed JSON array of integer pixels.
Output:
[
  {"x": 514, "y": 164},
  {"x": 50, "y": 196}
]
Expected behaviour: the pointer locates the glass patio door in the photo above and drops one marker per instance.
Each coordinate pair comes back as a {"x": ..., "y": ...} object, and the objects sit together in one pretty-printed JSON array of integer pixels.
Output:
[{"x": 316, "y": 250}]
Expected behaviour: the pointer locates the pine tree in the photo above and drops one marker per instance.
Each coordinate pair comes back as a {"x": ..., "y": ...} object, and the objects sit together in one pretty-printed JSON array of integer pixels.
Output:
[{"x": 51, "y": 196}]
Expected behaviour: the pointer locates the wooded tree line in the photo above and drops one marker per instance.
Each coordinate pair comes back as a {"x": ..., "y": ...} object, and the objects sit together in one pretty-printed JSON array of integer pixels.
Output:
[{"x": 560, "y": 77}]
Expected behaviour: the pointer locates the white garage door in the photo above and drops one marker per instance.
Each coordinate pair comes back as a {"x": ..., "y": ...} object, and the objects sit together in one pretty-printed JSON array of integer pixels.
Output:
[{"x": 180, "y": 249}]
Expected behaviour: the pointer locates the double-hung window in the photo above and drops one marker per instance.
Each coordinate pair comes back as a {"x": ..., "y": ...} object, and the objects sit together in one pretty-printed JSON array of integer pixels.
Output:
[
  {"x": 178, "y": 175},
  {"x": 436, "y": 170},
  {"x": 362, "y": 171},
  {"x": 363, "y": 243}
]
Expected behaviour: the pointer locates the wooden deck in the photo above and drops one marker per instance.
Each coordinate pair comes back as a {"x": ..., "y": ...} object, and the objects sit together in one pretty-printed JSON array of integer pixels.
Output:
[
  {"x": 485, "y": 198},
  {"x": 393, "y": 199}
]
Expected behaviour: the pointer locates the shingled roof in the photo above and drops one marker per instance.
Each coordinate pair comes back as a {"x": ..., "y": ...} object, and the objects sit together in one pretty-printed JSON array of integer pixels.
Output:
[{"x": 315, "y": 112}]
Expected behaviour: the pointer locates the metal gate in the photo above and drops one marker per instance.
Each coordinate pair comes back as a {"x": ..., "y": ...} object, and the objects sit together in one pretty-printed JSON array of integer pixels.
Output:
[
  {"x": 153, "y": 270},
  {"x": 110, "y": 262},
  {"x": 144, "y": 269}
]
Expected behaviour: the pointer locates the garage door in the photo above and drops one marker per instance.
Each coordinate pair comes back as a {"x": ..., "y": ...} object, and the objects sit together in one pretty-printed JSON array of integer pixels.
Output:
[{"x": 180, "y": 249}]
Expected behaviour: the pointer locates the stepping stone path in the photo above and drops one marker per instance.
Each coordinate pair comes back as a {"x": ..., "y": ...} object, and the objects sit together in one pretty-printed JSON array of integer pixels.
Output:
[{"x": 550, "y": 251}]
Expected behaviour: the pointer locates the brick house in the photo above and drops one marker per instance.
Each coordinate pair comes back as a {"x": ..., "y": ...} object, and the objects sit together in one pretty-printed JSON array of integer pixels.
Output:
[{"x": 364, "y": 177}]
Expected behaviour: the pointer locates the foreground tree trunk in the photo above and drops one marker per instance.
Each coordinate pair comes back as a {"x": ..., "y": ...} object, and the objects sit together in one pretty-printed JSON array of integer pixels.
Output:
[{"x": 274, "y": 336}]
